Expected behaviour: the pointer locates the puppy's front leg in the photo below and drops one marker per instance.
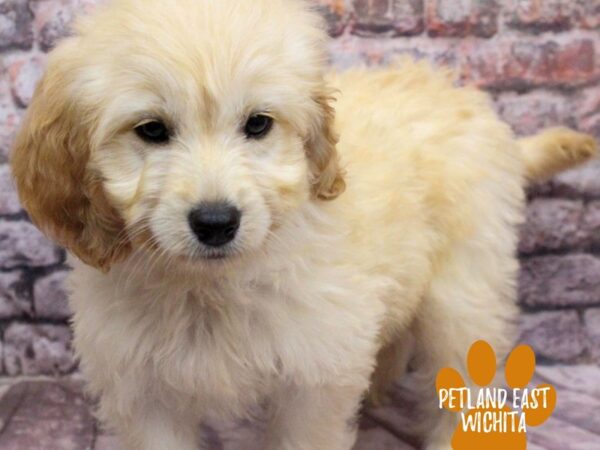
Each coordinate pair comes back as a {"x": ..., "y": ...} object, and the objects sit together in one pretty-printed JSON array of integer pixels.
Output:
[
  {"x": 314, "y": 418},
  {"x": 153, "y": 427}
]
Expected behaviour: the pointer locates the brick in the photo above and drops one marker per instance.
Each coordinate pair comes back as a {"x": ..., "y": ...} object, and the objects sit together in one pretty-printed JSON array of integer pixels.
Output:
[
  {"x": 21, "y": 244},
  {"x": 15, "y": 24},
  {"x": 540, "y": 15},
  {"x": 528, "y": 113},
  {"x": 591, "y": 319},
  {"x": 335, "y": 14},
  {"x": 14, "y": 298},
  {"x": 408, "y": 17},
  {"x": 587, "y": 13},
  {"x": 52, "y": 21},
  {"x": 350, "y": 50},
  {"x": 53, "y": 18},
  {"x": 560, "y": 280},
  {"x": 552, "y": 15},
  {"x": 461, "y": 18},
  {"x": 551, "y": 224},
  {"x": 553, "y": 62},
  {"x": 590, "y": 226},
  {"x": 37, "y": 350},
  {"x": 591, "y": 125},
  {"x": 50, "y": 297},
  {"x": 580, "y": 182},
  {"x": 10, "y": 119},
  {"x": 393, "y": 17},
  {"x": 554, "y": 335},
  {"x": 372, "y": 15},
  {"x": 588, "y": 110},
  {"x": 9, "y": 200},
  {"x": 24, "y": 74},
  {"x": 522, "y": 63}
]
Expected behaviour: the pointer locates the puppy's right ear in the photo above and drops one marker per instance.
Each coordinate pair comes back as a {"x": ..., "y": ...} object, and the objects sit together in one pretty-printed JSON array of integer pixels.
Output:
[{"x": 63, "y": 197}]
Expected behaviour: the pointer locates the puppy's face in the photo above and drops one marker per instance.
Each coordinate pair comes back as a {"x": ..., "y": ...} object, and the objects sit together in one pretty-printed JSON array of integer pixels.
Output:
[{"x": 193, "y": 133}]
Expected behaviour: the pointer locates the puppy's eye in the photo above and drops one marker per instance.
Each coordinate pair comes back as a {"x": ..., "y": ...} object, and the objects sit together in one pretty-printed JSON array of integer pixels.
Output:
[
  {"x": 257, "y": 126},
  {"x": 154, "y": 132}
]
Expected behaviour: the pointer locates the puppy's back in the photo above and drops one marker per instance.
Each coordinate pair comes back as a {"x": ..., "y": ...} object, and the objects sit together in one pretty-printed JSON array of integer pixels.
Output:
[{"x": 413, "y": 141}]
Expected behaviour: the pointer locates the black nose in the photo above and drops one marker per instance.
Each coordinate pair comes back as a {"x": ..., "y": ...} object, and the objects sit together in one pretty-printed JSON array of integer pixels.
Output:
[{"x": 215, "y": 224}]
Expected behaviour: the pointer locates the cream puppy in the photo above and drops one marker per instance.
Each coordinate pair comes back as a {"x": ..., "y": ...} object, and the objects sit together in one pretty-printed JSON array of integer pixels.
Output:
[{"x": 228, "y": 248}]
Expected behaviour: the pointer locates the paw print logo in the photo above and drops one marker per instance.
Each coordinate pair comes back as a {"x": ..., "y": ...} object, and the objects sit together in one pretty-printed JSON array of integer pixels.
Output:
[{"x": 487, "y": 420}]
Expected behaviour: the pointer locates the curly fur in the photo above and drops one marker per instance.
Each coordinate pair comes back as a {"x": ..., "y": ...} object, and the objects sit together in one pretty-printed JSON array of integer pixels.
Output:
[{"x": 381, "y": 210}]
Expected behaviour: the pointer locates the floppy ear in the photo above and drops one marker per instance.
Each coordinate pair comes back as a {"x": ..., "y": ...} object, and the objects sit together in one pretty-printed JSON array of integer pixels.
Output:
[
  {"x": 63, "y": 197},
  {"x": 327, "y": 176}
]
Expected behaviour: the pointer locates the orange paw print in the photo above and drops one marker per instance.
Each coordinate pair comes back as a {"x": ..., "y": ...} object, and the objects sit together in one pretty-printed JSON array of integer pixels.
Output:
[{"x": 488, "y": 420}]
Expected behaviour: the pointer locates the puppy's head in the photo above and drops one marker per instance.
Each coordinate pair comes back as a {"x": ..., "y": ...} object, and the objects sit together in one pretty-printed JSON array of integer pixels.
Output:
[{"x": 191, "y": 127}]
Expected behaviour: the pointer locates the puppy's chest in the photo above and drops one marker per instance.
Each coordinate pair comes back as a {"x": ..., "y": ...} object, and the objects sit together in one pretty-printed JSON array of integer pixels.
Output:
[
  {"x": 222, "y": 354},
  {"x": 243, "y": 343}
]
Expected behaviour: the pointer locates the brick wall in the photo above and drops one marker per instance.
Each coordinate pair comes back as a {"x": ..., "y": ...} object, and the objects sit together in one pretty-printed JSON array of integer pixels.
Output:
[{"x": 537, "y": 58}]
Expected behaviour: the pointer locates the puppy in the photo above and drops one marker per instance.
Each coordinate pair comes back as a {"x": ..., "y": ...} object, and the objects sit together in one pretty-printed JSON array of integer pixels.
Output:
[{"x": 235, "y": 238}]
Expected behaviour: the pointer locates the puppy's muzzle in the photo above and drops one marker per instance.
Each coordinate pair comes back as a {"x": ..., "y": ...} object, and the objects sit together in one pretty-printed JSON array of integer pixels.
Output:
[{"x": 215, "y": 224}]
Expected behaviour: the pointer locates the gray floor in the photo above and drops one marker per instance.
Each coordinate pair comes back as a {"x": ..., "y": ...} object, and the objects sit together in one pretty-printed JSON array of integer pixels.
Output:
[{"x": 54, "y": 415}]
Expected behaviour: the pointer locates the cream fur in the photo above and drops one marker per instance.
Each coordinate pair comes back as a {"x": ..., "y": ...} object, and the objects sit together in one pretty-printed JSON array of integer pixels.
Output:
[{"x": 419, "y": 248}]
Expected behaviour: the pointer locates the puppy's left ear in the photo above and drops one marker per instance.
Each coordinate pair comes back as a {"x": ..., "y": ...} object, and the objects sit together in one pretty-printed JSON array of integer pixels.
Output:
[{"x": 327, "y": 177}]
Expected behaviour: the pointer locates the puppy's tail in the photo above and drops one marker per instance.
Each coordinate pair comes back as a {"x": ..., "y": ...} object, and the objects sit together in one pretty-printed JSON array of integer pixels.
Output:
[{"x": 554, "y": 150}]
